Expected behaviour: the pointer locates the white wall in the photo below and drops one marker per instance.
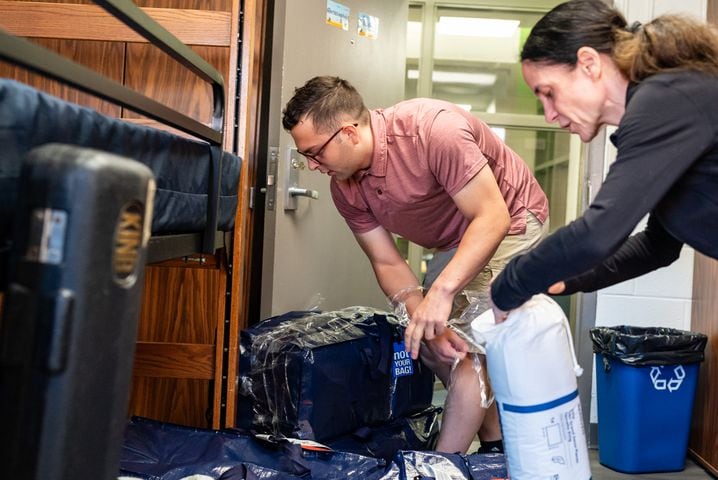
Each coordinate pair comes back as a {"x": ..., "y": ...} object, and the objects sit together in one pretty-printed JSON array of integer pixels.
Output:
[{"x": 661, "y": 298}]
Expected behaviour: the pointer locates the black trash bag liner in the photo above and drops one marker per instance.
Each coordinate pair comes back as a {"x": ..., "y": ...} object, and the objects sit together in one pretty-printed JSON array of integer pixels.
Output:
[
  {"x": 413, "y": 465},
  {"x": 320, "y": 375},
  {"x": 639, "y": 346},
  {"x": 154, "y": 450},
  {"x": 415, "y": 432}
]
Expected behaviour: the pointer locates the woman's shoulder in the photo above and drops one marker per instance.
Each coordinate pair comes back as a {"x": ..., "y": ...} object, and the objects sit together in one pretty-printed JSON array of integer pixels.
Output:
[
  {"x": 663, "y": 92},
  {"x": 682, "y": 81}
]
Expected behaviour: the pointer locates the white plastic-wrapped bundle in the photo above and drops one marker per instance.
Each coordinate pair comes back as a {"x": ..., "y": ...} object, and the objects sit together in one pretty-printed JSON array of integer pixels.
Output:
[{"x": 533, "y": 369}]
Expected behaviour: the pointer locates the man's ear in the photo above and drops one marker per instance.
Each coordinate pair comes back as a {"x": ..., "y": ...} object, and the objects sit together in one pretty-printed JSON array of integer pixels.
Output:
[
  {"x": 353, "y": 133},
  {"x": 588, "y": 60}
]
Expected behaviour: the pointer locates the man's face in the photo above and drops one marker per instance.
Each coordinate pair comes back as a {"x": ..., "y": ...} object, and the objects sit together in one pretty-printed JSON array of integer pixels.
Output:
[{"x": 330, "y": 153}]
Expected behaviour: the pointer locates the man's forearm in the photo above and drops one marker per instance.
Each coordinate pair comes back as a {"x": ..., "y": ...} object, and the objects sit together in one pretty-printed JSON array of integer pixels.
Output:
[
  {"x": 397, "y": 278},
  {"x": 476, "y": 248}
]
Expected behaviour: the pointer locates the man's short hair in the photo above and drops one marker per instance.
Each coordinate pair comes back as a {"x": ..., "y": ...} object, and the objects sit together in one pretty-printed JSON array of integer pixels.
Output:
[{"x": 325, "y": 100}]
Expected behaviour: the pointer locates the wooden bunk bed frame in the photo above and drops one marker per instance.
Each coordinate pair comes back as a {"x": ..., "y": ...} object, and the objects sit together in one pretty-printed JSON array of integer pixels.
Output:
[{"x": 185, "y": 364}]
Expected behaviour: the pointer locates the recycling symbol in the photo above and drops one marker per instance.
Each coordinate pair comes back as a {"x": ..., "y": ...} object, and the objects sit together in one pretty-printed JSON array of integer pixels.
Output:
[{"x": 671, "y": 384}]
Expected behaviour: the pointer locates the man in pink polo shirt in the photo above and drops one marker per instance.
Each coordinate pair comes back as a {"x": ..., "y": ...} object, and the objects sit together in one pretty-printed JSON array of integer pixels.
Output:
[{"x": 417, "y": 170}]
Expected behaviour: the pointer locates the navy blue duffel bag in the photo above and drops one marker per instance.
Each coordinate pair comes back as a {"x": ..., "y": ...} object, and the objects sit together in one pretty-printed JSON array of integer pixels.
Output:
[
  {"x": 155, "y": 450},
  {"x": 320, "y": 375},
  {"x": 418, "y": 431}
]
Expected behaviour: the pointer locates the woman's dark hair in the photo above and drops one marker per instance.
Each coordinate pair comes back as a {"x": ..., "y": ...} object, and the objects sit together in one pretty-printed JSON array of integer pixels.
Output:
[
  {"x": 569, "y": 26},
  {"x": 666, "y": 43},
  {"x": 324, "y": 100}
]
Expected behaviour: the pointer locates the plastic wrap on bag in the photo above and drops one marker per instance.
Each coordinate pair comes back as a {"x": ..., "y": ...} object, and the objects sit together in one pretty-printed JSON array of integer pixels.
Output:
[
  {"x": 444, "y": 466},
  {"x": 161, "y": 451},
  {"x": 418, "y": 431},
  {"x": 467, "y": 306},
  {"x": 319, "y": 375},
  {"x": 639, "y": 346}
]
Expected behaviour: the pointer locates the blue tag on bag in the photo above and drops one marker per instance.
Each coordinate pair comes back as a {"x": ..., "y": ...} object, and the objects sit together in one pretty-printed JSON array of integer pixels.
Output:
[{"x": 402, "y": 366}]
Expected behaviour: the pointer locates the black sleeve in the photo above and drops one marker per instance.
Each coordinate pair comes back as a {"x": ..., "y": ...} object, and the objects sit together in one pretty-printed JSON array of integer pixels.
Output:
[
  {"x": 661, "y": 134},
  {"x": 643, "y": 252}
]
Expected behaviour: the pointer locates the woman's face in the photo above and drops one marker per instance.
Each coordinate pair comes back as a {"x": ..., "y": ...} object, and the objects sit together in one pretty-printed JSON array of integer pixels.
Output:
[{"x": 571, "y": 96}]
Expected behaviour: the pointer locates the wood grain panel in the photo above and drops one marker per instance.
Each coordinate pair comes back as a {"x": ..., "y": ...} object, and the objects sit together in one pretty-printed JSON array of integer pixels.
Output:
[
  {"x": 152, "y": 73},
  {"x": 242, "y": 258},
  {"x": 174, "y": 360},
  {"x": 181, "y": 401},
  {"x": 704, "y": 318},
  {"x": 86, "y": 2},
  {"x": 181, "y": 305},
  {"x": 217, "y": 5},
  {"x": 106, "y": 58},
  {"x": 90, "y": 22}
]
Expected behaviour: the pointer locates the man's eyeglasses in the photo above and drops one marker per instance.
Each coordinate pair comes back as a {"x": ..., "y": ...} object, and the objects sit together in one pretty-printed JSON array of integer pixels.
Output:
[{"x": 314, "y": 156}]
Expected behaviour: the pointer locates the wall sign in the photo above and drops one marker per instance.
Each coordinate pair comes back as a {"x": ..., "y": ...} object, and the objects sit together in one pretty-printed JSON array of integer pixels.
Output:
[{"x": 337, "y": 15}]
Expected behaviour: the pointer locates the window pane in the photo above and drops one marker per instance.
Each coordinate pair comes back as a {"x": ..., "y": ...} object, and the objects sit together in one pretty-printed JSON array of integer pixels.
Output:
[
  {"x": 476, "y": 60},
  {"x": 547, "y": 154},
  {"x": 413, "y": 50}
]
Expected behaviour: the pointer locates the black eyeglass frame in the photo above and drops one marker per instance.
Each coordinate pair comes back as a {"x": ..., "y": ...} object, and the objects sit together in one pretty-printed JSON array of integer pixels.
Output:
[{"x": 313, "y": 156}]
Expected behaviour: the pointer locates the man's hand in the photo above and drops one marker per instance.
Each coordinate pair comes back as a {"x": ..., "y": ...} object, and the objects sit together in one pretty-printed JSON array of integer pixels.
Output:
[
  {"x": 448, "y": 347},
  {"x": 427, "y": 321}
]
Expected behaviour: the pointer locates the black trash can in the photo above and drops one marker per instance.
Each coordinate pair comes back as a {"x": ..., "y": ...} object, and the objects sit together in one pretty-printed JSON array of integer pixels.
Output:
[{"x": 646, "y": 382}]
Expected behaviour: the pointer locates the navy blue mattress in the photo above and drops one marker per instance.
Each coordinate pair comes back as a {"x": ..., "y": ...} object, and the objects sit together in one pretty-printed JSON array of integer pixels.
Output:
[{"x": 29, "y": 118}]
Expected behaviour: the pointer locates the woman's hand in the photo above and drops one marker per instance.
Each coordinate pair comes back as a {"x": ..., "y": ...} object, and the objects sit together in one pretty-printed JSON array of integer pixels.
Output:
[
  {"x": 499, "y": 315},
  {"x": 557, "y": 288}
]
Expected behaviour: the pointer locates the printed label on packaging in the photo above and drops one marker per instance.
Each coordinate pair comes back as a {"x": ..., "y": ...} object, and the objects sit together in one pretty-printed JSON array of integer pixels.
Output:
[{"x": 402, "y": 365}]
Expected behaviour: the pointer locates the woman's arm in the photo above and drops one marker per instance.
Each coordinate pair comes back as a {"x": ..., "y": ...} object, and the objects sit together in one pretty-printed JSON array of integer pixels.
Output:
[
  {"x": 661, "y": 135},
  {"x": 643, "y": 252}
]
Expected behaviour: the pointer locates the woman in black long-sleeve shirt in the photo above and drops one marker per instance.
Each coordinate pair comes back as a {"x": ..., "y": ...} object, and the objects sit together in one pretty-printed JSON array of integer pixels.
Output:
[{"x": 659, "y": 84}]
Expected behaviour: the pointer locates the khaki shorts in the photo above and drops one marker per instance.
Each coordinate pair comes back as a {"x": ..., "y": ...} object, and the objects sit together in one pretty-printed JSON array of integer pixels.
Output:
[{"x": 479, "y": 288}]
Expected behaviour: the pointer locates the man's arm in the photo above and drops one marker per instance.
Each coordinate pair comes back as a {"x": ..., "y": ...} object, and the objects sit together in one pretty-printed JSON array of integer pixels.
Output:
[
  {"x": 390, "y": 268},
  {"x": 394, "y": 275},
  {"x": 481, "y": 202}
]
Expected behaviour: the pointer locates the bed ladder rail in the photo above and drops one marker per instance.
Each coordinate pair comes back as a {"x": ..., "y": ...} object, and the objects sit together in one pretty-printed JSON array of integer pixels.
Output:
[{"x": 48, "y": 63}]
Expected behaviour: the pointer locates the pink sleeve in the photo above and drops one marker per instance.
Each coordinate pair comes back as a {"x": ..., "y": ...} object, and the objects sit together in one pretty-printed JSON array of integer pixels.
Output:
[
  {"x": 452, "y": 151},
  {"x": 352, "y": 206}
]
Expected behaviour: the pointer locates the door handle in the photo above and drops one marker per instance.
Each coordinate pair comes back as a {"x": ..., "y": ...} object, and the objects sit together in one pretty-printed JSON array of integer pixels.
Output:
[
  {"x": 293, "y": 165},
  {"x": 303, "y": 192}
]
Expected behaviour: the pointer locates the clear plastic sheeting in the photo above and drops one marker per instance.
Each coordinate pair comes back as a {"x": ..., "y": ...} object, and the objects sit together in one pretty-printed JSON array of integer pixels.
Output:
[
  {"x": 155, "y": 450},
  {"x": 640, "y": 346},
  {"x": 443, "y": 466},
  {"x": 418, "y": 431},
  {"x": 469, "y": 305},
  {"x": 319, "y": 375}
]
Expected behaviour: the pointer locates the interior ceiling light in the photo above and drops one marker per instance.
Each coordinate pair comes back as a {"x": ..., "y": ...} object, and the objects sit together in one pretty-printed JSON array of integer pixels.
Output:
[
  {"x": 437, "y": 76},
  {"x": 477, "y": 27}
]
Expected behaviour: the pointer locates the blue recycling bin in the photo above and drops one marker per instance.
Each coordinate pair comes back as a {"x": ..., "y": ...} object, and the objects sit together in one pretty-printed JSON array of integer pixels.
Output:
[{"x": 646, "y": 382}]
